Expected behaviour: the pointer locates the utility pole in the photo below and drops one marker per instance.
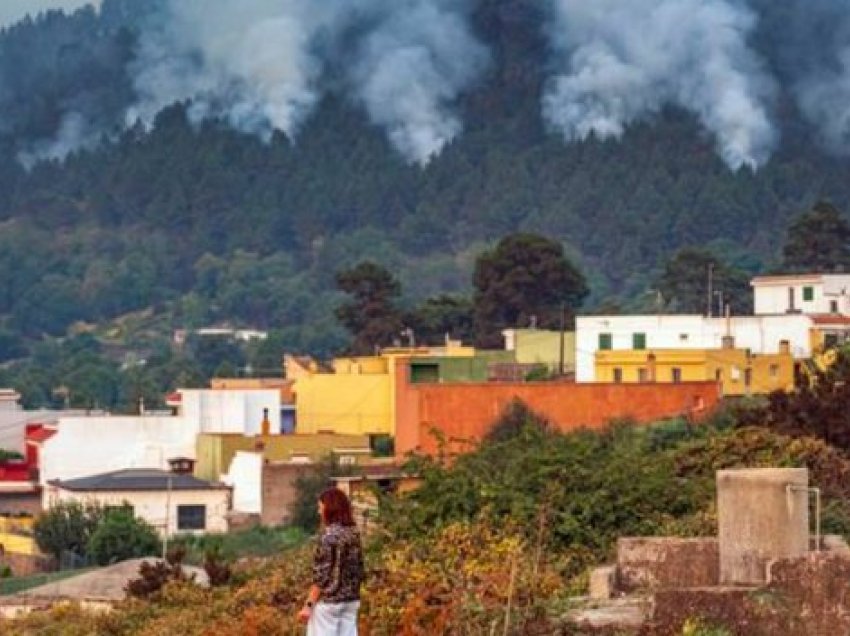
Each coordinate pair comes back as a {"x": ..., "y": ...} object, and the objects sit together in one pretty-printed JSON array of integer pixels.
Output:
[
  {"x": 710, "y": 291},
  {"x": 167, "y": 518},
  {"x": 561, "y": 347}
]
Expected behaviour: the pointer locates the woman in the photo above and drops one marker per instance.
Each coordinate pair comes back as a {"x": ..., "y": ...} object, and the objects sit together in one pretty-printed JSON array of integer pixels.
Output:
[{"x": 334, "y": 598}]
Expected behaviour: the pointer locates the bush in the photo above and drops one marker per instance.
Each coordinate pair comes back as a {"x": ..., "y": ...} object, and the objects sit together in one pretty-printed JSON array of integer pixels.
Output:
[
  {"x": 122, "y": 536},
  {"x": 67, "y": 526}
]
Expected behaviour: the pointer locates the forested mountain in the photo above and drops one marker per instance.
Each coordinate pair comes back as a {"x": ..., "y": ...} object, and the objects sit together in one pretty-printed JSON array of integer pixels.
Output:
[{"x": 110, "y": 204}]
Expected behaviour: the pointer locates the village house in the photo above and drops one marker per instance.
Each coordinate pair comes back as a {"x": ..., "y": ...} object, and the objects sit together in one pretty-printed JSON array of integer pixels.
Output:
[
  {"x": 802, "y": 293},
  {"x": 172, "y": 501}
]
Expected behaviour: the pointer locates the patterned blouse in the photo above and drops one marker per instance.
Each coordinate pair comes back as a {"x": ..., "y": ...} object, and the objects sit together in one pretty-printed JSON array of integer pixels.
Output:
[{"x": 338, "y": 564}]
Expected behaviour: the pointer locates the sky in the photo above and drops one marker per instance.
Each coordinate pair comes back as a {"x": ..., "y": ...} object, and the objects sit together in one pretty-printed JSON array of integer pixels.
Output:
[{"x": 13, "y": 10}]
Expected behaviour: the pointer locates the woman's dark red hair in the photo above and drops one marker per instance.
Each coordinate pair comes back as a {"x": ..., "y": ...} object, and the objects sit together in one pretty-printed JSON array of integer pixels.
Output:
[{"x": 337, "y": 507}]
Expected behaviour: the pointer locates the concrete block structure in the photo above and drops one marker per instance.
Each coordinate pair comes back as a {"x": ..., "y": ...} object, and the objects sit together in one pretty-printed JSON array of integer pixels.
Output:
[{"x": 762, "y": 515}]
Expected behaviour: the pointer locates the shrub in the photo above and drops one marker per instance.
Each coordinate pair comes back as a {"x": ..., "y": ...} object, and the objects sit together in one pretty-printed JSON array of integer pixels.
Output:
[
  {"x": 67, "y": 526},
  {"x": 121, "y": 535}
]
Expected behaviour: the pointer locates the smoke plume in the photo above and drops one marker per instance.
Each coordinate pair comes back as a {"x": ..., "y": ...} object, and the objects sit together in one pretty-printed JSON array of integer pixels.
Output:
[
  {"x": 810, "y": 48},
  {"x": 262, "y": 64},
  {"x": 620, "y": 62}
]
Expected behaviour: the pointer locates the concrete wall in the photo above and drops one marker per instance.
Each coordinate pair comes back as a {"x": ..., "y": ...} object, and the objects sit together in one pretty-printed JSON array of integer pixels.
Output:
[
  {"x": 759, "y": 334},
  {"x": 665, "y": 562},
  {"x": 467, "y": 411},
  {"x": 156, "y": 507},
  {"x": 279, "y": 492},
  {"x": 760, "y": 520},
  {"x": 245, "y": 477}
]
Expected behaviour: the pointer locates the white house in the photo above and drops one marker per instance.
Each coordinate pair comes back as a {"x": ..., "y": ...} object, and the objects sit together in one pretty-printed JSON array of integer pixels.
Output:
[
  {"x": 171, "y": 502},
  {"x": 802, "y": 293},
  {"x": 83, "y": 446},
  {"x": 760, "y": 334}
]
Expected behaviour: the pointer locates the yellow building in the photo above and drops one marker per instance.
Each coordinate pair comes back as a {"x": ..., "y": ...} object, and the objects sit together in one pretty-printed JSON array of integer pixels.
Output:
[
  {"x": 215, "y": 451},
  {"x": 358, "y": 397},
  {"x": 738, "y": 371},
  {"x": 16, "y": 535}
]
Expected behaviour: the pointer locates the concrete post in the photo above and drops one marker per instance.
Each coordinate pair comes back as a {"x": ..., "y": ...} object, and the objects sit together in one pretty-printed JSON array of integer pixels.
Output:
[{"x": 760, "y": 519}]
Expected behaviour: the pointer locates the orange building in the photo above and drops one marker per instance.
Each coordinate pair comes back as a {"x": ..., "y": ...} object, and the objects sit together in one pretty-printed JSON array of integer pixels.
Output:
[{"x": 464, "y": 413}]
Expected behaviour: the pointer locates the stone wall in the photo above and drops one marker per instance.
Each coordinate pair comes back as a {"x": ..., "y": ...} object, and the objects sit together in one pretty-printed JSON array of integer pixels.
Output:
[{"x": 664, "y": 562}]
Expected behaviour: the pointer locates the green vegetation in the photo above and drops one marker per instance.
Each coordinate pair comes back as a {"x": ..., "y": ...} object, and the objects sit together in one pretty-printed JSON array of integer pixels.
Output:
[
  {"x": 120, "y": 536},
  {"x": 531, "y": 506},
  {"x": 87, "y": 533},
  {"x": 258, "y": 541}
]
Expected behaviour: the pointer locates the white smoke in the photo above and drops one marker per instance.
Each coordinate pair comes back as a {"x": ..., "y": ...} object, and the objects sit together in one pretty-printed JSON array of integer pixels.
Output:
[
  {"x": 411, "y": 68},
  {"x": 74, "y": 133},
  {"x": 623, "y": 60},
  {"x": 247, "y": 62},
  {"x": 260, "y": 64}
]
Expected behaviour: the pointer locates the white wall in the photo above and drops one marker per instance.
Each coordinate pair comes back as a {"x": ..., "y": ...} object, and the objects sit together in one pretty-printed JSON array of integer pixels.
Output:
[
  {"x": 771, "y": 295},
  {"x": 231, "y": 411},
  {"x": 152, "y": 505},
  {"x": 760, "y": 334},
  {"x": 246, "y": 477},
  {"x": 86, "y": 446}
]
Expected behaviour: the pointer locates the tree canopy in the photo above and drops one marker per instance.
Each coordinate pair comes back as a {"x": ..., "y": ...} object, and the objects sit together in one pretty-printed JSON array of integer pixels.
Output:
[
  {"x": 684, "y": 284},
  {"x": 371, "y": 314},
  {"x": 818, "y": 241},
  {"x": 525, "y": 279}
]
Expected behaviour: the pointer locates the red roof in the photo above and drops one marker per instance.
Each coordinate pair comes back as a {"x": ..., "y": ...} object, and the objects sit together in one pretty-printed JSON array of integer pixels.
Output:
[
  {"x": 830, "y": 319},
  {"x": 38, "y": 435}
]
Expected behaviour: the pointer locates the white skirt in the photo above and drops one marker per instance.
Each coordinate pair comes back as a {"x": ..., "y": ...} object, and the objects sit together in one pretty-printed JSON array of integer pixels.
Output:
[{"x": 333, "y": 619}]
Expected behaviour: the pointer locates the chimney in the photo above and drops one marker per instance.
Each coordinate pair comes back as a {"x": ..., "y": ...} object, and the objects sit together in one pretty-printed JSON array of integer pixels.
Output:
[{"x": 265, "y": 425}]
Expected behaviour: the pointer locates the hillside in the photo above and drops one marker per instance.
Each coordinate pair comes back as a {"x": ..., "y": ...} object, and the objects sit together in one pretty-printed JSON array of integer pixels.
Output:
[{"x": 218, "y": 216}]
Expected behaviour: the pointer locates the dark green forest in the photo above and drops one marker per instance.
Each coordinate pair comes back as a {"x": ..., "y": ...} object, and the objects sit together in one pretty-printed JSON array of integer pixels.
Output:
[{"x": 181, "y": 226}]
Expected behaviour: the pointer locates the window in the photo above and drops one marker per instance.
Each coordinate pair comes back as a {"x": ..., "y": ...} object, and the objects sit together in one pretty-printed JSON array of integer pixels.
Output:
[
  {"x": 735, "y": 374},
  {"x": 638, "y": 341},
  {"x": 833, "y": 306},
  {"x": 605, "y": 341},
  {"x": 642, "y": 375},
  {"x": 676, "y": 374},
  {"x": 774, "y": 371},
  {"x": 748, "y": 377},
  {"x": 683, "y": 337},
  {"x": 808, "y": 293},
  {"x": 830, "y": 340},
  {"x": 618, "y": 375},
  {"x": 191, "y": 517},
  {"x": 718, "y": 375},
  {"x": 791, "y": 308}
]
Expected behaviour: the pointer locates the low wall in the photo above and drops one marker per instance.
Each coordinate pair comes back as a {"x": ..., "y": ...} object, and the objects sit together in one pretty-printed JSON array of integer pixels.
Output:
[
  {"x": 465, "y": 412},
  {"x": 667, "y": 562},
  {"x": 807, "y": 596}
]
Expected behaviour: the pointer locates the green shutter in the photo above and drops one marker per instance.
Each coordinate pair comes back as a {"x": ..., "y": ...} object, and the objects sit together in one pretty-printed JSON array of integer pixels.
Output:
[
  {"x": 604, "y": 341},
  {"x": 808, "y": 293},
  {"x": 638, "y": 341}
]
